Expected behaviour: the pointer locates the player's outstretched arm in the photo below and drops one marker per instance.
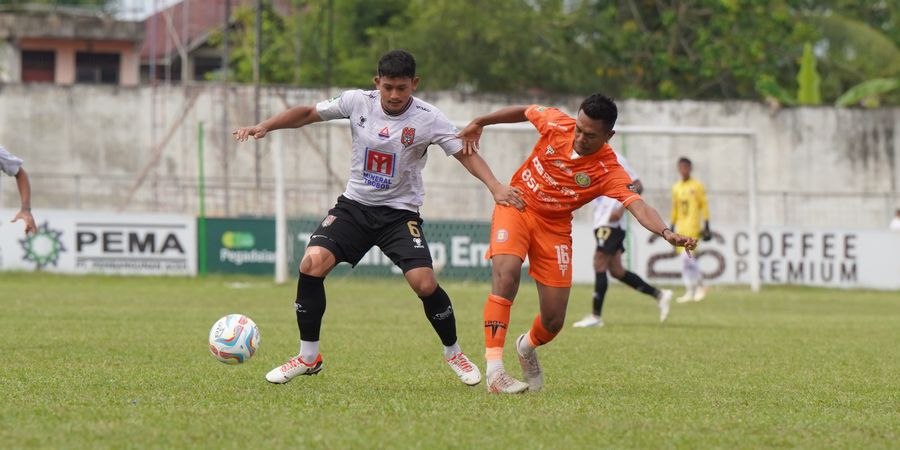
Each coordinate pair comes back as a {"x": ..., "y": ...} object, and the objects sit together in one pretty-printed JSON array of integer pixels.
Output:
[
  {"x": 25, "y": 194},
  {"x": 295, "y": 117},
  {"x": 503, "y": 194},
  {"x": 650, "y": 219},
  {"x": 471, "y": 134}
]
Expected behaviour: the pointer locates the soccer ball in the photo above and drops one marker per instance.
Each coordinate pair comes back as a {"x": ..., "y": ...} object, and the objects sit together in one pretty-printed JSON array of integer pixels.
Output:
[{"x": 233, "y": 339}]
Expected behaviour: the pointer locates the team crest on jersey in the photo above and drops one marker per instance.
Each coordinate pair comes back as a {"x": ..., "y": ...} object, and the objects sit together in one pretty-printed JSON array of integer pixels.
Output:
[
  {"x": 328, "y": 221},
  {"x": 384, "y": 133},
  {"x": 408, "y": 136},
  {"x": 582, "y": 179}
]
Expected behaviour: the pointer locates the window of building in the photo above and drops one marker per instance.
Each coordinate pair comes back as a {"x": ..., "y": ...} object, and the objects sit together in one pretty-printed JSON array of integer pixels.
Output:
[
  {"x": 97, "y": 68},
  {"x": 38, "y": 66}
]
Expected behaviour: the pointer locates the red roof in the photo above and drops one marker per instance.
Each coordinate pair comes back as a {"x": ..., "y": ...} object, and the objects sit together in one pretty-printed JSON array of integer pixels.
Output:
[{"x": 203, "y": 17}]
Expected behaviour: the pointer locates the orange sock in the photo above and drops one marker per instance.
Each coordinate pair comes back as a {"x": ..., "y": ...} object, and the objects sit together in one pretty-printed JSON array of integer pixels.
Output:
[
  {"x": 496, "y": 321},
  {"x": 538, "y": 335}
]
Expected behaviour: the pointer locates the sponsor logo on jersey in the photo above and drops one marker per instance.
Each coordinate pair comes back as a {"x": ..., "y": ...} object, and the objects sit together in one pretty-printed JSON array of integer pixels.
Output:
[
  {"x": 557, "y": 126},
  {"x": 562, "y": 166},
  {"x": 362, "y": 122},
  {"x": 633, "y": 188},
  {"x": 379, "y": 168},
  {"x": 582, "y": 179},
  {"x": 384, "y": 133},
  {"x": 540, "y": 108},
  {"x": 418, "y": 242},
  {"x": 328, "y": 221},
  {"x": 408, "y": 136},
  {"x": 422, "y": 108}
]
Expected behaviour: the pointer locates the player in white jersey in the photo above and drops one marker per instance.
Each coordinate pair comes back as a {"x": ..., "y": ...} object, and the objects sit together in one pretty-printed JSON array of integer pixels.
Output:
[
  {"x": 12, "y": 166},
  {"x": 391, "y": 131},
  {"x": 608, "y": 216}
]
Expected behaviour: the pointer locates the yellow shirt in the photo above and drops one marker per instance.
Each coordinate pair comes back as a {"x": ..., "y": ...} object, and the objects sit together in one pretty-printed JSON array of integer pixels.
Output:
[{"x": 689, "y": 207}]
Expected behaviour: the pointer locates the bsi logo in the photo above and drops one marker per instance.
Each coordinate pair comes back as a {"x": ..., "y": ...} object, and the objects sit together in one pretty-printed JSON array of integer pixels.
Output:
[{"x": 43, "y": 247}]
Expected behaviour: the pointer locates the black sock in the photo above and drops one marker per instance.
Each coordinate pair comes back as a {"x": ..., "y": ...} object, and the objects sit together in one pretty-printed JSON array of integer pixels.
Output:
[
  {"x": 600, "y": 284},
  {"x": 639, "y": 284},
  {"x": 310, "y": 306},
  {"x": 439, "y": 312}
]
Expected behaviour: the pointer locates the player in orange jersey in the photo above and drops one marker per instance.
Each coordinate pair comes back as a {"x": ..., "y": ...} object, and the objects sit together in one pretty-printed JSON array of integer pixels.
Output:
[{"x": 571, "y": 164}]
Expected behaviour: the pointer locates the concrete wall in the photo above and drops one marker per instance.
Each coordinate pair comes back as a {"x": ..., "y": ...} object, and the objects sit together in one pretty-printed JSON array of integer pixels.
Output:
[{"x": 88, "y": 145}]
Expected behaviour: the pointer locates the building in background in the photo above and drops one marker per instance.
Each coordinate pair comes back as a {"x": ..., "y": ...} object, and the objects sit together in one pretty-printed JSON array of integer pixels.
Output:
[
  {"x": 177, "y": 39},
  {"x": 51, "y": 44}
]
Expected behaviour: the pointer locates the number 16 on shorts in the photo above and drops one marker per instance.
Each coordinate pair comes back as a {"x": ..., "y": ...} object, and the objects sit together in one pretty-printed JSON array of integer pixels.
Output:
[{"x": 562, "y": 257}]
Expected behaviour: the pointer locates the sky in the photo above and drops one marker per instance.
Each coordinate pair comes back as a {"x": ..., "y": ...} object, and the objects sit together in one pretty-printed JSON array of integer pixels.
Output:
[{"x": 140, "y": 9}]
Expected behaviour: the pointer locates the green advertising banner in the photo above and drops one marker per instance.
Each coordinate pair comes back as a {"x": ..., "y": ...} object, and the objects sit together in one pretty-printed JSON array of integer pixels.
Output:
[
  {"x": 240, "y": 246},
  {"x": 247, "y": 246},
  {"x": 457, "y": 248}
]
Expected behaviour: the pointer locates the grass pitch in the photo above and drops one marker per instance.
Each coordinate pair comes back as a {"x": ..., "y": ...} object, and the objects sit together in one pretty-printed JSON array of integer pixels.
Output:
[{"x": 96, "y": 362}]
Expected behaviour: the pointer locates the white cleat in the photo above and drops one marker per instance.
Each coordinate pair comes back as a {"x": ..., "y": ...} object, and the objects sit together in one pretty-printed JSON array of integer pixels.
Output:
[
  {"x": 590, "y": 321},
  {"x": 467, "y": 372},
  {"x": 294, "y": 368},
  {"x": 664, "y": 303},
  {"x": 531, "y": 368},
  {"x": 700, "y": 293},
  {"x": 499, "y": 381},
  {"x": 687, "y": 297}
]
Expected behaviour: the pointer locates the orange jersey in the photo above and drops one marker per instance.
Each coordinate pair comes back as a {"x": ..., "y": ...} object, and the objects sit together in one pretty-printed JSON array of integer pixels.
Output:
[{"x": 554, "y": 183}]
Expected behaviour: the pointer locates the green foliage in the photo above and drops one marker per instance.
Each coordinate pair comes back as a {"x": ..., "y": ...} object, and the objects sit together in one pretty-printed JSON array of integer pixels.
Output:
[
  {"x": 808, "y": 79},
  {"x": 702, "y": 49},
  {"x": 869, "y": 93}
]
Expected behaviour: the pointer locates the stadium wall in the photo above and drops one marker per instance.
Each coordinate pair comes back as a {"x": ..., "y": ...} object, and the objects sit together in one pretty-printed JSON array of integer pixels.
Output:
[{"x": 92, "y": 147}]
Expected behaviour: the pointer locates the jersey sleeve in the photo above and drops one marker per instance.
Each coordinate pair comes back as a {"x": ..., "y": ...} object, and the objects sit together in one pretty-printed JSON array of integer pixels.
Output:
[
  {"x": 701, "y": 199},
  {"x": 9, "y": 163},
  {"x": 674, "y": 206},
  {"x": 339, "y": 107},
  {"x": 618, "y": 186},
  {"x": 540, "y": 116},
  {"x": 444, "y": 135}
]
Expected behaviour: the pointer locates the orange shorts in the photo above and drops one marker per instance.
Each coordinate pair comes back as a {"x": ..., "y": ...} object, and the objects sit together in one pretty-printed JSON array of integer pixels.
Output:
[{"x": 547, "y": 243}]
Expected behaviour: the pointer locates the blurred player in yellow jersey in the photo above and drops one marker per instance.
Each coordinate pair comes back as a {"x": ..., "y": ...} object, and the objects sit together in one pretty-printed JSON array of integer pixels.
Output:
[{"x": 690, "y": 217}]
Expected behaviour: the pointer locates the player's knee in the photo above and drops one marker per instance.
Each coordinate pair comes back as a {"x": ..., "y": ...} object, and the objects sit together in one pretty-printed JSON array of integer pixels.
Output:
[
  {"x": 617, "y": 272},
  {"x": 506, "y": 284},
  {"x": 553, "y": 324},
  {"x": 316, "y": 262},
  {"x": 424, "y": 286}
]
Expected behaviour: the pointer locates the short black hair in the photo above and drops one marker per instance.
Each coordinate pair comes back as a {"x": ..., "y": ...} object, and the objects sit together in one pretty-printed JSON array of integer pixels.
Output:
[
  {"x": 397, "y": 64},
  {"x": 685, "y": 161},
  {"x": 600, "y": 107}
]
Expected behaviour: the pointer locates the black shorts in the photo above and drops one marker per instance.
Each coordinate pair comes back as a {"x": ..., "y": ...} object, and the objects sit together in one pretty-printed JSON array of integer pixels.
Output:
[
  {"x": 351, "y": 229},
  {"x": 610, "y": 240}
]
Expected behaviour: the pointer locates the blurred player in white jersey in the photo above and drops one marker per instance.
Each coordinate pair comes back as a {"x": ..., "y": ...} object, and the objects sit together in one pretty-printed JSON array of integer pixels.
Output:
[
  {"x": 391, "y": 131},
  {"x": 12, "y": 166},
  {"x": 608, "y": 216}
]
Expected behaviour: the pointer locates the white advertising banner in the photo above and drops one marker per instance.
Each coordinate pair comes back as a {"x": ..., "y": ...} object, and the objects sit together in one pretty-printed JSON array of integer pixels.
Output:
[
  {"x": 827, "y": 258},
  {"x": 97, "y": 242}
]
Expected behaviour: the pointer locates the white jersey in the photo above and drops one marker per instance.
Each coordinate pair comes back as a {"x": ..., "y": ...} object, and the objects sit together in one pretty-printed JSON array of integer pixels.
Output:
[
  {"x": 605, "y": 206},
  {"x": 389, "y": 152},
  {"x": 9, "y": 163}
]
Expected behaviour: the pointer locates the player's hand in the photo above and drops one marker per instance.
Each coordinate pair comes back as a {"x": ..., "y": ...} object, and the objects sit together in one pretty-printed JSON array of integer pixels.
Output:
[
  {"x": 470, "y": 136},
  {"x": 509, "y": 196},
  {"x": 678, "y": 240},
  {"x": 244, "y": 133},
  {"x": 30, "y": 226}
]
